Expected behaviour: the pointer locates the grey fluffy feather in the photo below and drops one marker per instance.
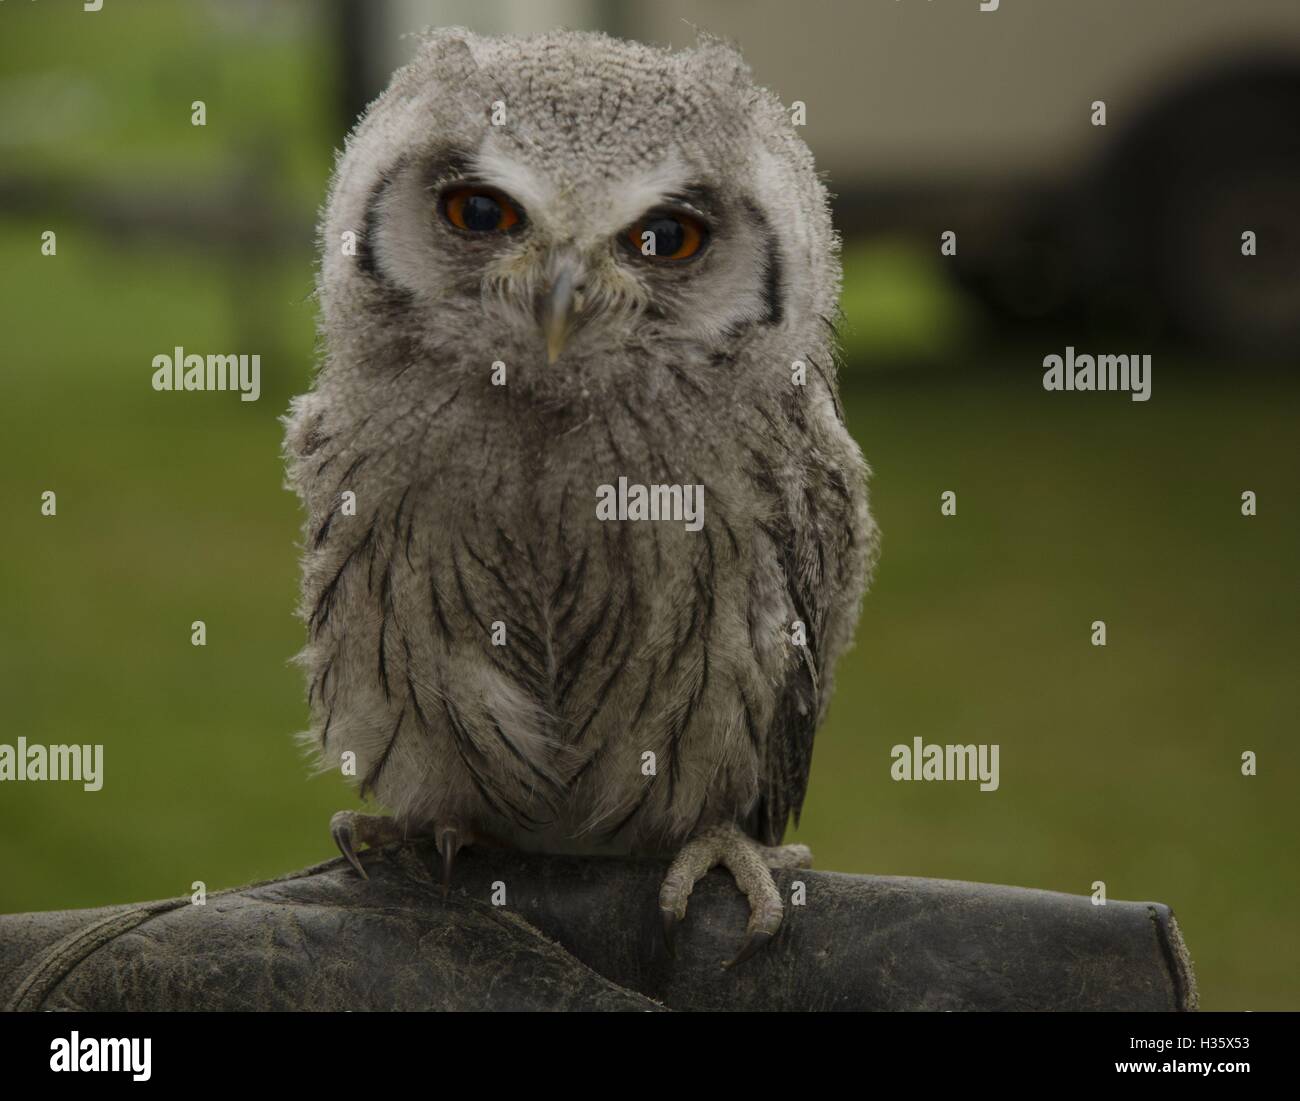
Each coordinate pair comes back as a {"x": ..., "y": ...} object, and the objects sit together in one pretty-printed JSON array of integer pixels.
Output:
[{"x": 477, "y": 503}]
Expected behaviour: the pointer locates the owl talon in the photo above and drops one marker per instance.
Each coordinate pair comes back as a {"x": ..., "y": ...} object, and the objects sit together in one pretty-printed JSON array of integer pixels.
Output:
[
  {"x": 448, "y": 847},
  {"x": 670, "y": 923},
  {"x": 748, "y": 862},
  {"x": 753, "y": 942},
  {"x": 348, "y": 828},
  {"x": 342, "y": 832},
  {"x": 450, "y": 839}
]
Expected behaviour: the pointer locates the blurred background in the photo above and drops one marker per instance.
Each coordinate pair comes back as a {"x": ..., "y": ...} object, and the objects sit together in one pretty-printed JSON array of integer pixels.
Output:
[{"x": 1119, "y": 764}]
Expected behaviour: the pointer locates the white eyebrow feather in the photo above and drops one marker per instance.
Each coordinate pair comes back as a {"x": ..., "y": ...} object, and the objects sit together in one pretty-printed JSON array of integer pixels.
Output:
[
  {"x": 517, "y": 180},
  {"x": 635, "y": 194}
]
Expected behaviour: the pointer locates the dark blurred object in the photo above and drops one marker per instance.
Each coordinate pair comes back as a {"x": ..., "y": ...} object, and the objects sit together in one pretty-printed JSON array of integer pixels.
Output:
[
  {"x": 579, "y": 933},
  {"x": 357, "y": 26},
  {"x": 1149, "y": 240}
]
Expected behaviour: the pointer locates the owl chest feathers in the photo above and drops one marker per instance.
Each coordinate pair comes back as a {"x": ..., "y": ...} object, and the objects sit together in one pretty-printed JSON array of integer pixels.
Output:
[{"x": 591, "y": 655}]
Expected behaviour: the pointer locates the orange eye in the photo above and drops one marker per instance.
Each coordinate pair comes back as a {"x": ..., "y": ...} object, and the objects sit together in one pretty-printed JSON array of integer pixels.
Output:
[
  {"x": 667, "y": 235},
  {"x": 479, "y": 210}
]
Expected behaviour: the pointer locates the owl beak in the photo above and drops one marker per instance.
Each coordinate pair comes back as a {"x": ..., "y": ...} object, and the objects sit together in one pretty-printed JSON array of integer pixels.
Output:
[{"x": 559, "y": 307}]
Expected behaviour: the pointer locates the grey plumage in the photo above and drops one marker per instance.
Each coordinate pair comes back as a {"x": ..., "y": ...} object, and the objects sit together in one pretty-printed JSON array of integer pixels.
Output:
[{"x": 476, "y": 503}]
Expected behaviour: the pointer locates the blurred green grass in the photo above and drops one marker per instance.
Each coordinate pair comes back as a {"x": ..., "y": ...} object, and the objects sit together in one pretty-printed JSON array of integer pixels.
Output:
[
  {"x": 1119, "y": 764},
  {"x": 108, "y": 94}
]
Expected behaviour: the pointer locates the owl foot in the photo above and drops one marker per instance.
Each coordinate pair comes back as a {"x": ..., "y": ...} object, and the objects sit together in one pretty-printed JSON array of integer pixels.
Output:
[
  {"x": 747, "y": 861},
  {"x": 349, "y": 829}
]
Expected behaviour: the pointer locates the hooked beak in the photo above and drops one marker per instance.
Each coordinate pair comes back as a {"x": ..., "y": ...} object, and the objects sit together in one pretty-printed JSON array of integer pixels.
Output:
[{"x": 560, "y": 306}]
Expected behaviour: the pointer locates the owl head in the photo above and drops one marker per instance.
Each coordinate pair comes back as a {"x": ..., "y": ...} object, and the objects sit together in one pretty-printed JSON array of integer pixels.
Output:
[{"x": 574, "y": 207}]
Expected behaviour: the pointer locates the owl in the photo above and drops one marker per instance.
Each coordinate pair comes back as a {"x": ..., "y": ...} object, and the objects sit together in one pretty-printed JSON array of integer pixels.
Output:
[{"x": 586, "y": 533}]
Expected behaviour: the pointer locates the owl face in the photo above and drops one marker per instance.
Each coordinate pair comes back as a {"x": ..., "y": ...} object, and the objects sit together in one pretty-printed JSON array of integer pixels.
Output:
[{"x": 573, "y": 206}]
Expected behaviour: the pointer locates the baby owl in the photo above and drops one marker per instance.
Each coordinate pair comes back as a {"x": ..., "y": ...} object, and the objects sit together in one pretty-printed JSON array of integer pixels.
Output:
[{"x": 551, "y": 265}]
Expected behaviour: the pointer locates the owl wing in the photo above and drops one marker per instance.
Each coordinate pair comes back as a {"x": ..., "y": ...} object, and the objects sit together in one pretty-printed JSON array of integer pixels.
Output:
[
  {"x": 825, "y": 542},
  {"x": 788, "y": 755}
]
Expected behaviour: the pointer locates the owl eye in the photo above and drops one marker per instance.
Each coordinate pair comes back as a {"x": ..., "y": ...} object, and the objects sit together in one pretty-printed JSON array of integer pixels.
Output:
[
  {"x": 479, "y": 210},
  {"x": 667, "y": 235}
]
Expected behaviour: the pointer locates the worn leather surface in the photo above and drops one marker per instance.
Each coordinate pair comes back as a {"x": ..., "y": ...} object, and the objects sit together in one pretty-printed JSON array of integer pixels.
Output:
[{"x": 583, "y": 933}]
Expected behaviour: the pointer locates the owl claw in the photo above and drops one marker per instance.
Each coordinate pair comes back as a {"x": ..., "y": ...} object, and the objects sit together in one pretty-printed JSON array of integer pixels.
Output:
[
  {"x": 753, "y": 942},
  {"x": 342, "y": 832},
  {"x": 450, "y": 841},
  {"x": 448, "y": 848},
  {"x": 348, "y": 828},
  {"x": 748, "y": 862},
  {"x": 670, "y": 931}
]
